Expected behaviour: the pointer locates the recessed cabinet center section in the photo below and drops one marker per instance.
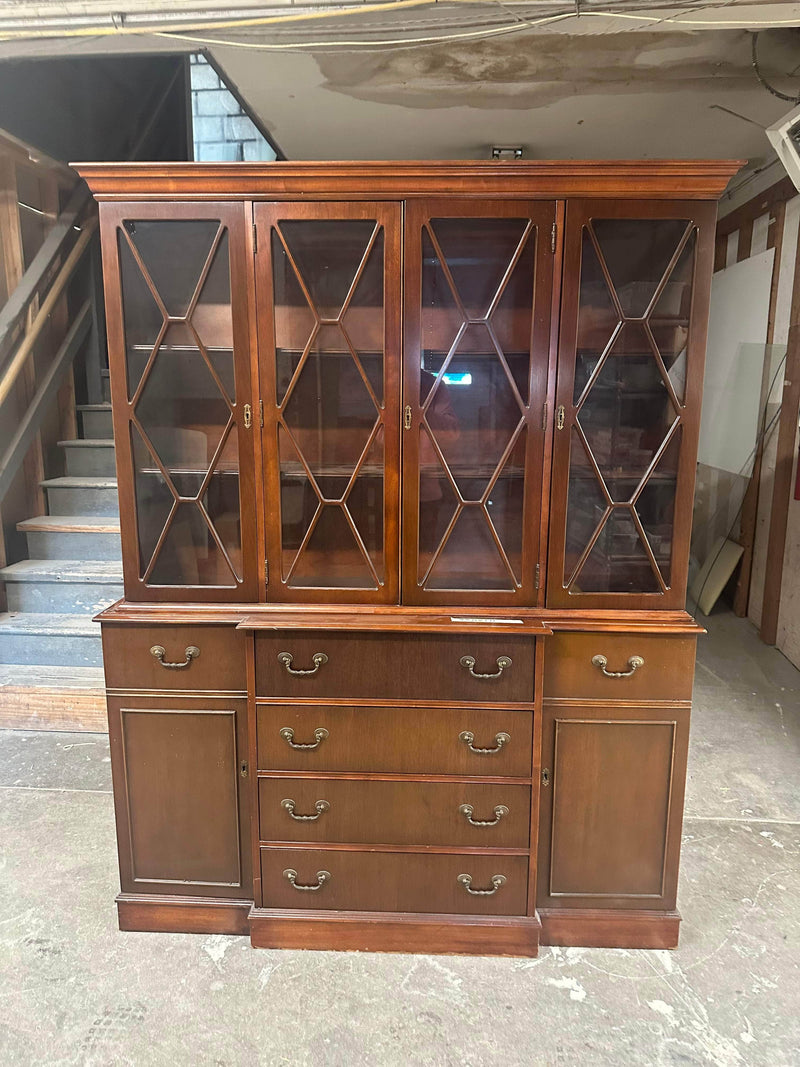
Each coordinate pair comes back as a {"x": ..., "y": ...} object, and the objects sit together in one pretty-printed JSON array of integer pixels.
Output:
[{"x": 405, "y": 461}]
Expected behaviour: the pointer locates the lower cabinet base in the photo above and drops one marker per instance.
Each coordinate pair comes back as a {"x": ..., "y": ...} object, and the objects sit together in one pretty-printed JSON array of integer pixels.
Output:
[
  {"x": 595, "y": 928},
  {"x": 395, "y": 932},
  {"x": 182, "y": 915}
]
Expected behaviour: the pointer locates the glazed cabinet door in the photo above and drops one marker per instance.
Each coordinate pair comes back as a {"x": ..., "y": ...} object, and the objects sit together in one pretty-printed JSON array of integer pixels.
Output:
[
  {"x": 176, "y": 281},
  {"x": 478, "y": 292},
  {"x": 328, "y": 281},
  {"x": 181, "y": 794},
  {"x": 633, "y": 326},
  {"x": 611, "y": 805}
]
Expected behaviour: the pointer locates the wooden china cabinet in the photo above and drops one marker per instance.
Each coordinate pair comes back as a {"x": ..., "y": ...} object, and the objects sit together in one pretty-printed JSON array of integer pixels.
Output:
[{"x": 406, "y": 457}]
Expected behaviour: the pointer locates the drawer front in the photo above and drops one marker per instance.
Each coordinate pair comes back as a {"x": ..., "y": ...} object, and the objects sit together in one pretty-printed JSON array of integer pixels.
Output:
[
  {"x": 394, "y": 813},
  {"x": 394, "y": 740},
  {"x": 666, "y": 672},
  {"x": 395, "y": 666},
  {"x": 393, "y": 881},
  {"x": 130, "y": 663}
]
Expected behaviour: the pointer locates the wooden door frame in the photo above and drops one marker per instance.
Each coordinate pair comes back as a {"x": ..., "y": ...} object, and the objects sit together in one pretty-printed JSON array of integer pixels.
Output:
[
  {"x": 578, "y": 213},
  {"x": 543, "y": 214},
  {"x": 388, "y": 214}
]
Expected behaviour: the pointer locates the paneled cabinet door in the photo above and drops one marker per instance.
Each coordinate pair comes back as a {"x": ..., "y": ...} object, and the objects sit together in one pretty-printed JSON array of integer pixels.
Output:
[
  {"x": 181, "y": 795},
  {"x": 631, "y": 347},
  {"x": 176, "y": 285},
  {"x": 478, "y": 291},
  {"x": 611, "y": 805},
  {"x": 328, "y": 282}
]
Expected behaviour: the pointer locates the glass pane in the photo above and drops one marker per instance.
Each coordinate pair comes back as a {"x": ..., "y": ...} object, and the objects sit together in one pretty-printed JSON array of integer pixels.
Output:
[
  {"x": 586, "y": 505},
  {"x": 327, "y": 254},
  {"x": 437, "y": 503},
  {"x": 333, "y": 408},
  {"x": 478, "y": 252},
  {"x": 365, "y": 504},
  {"x": 189, "y": 554},
  {"x": 512, "y": 319},
  {"x": 142, "y": 319},
  {"x": 637, "y": 253},
  {"x": 505, "y": 504},
  {"x": 332, "y": 558},
  {"x": 174, "y": 252},
  {"x": 656, "y": 506},
  {"x": 180, "y": 407},
  {"x": 330, "y": 412},
  {"x": 470, "y": 558},
  {"x": 669, "y": 320},
  {"x": 473, "y": 412},
  {"x": 618, "y": 562},
  {"x": 627, "y": 412},
  {"x": 440, "y": 318},
  {"x": 212, "y": 316},
  {"x": 154, "y": 500},
  {"x": 221, "y": 501},
  {"x": 597, "y": 316}
]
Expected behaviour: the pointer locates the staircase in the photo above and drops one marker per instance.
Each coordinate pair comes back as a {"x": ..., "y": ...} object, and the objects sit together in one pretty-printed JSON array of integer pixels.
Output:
[{"x": 47, "y": 637}]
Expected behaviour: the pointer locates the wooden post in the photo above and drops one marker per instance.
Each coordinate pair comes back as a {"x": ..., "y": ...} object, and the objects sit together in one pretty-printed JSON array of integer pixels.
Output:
[
  {"x": 784, "y": 466},
  {"x": 749, "y": 518}
]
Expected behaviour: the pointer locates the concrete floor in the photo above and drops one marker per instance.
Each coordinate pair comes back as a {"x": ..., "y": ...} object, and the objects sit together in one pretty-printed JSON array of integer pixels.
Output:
[{"x": 76, "y": 991}]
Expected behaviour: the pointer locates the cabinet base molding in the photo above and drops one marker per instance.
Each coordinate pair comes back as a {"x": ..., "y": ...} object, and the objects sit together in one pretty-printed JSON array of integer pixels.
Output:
[
  {"x": 395, "y": 932},
  {"x": 182, "y": 915},
  {"x": 596, "y": 928}
]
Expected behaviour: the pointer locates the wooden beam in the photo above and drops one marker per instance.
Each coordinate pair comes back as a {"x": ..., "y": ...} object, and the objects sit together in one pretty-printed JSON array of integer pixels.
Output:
[
  {"x": 784, "y": 468},
  {"x": 29, "y": 426},
  {"x": 749, "y": 518},
  {"x": 778, "y": 193}
]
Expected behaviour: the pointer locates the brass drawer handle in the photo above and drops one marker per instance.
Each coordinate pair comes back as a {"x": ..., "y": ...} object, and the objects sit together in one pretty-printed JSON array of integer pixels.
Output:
[
  {"x": 322, "y": 878},
  {"x": 469, "y": 663},
  {"x": 497, "y": 880},
  {"x": 501, "y": 739},
  {"x": 601, "y": 662},
  {"x": 320, "y": 807},
  {"x": 467, "y": 811},
  {"x": 158, "y": 652},
  {"x": 287, "y": 733},
  {"x": 317, "y": 659}
]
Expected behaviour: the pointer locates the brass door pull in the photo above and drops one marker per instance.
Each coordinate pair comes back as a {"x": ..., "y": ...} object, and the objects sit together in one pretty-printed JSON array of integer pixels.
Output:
[
  {"x": 468, "y": 662},
  {"x": 497, "y": 880},
  {"x": 320, "y": 807},
  {"x": 287, "y": 733},
  {"x": 317, "y": 659},
  {"x": 467, "y": 811},
  {"x": 158, "y": 652},
  {"x": 322, "y": 878},
  {"x": 501, "y": 739},
  {"x": 634, "y": 663}
]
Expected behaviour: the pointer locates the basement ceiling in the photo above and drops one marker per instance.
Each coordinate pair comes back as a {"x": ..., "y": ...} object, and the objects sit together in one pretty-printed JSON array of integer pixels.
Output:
[{"x": 593, "y": 87}]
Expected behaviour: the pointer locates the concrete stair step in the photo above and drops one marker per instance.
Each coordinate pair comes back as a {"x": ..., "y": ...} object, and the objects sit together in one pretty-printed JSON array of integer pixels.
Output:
[
  {"x": 72, "y": 537},
  {"x": 33, "y": 638},
  {"x": 93, "y": 457},
  {"x": 75, "y": 495},
  {"x": 95, "y": 420},
  {"x": 63, "y": 586}
]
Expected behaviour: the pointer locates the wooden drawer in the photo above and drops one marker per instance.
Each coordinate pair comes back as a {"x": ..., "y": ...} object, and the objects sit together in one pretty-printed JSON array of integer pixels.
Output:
[
  {"x": 130, "y": 664},
  {"x": 666, "y": 674},
  {"x": 410, "y": 666},
  {"x": 393, "y": 881},
  {"x": 394, "y": 813},
  {"x": 393, "y": 740}
]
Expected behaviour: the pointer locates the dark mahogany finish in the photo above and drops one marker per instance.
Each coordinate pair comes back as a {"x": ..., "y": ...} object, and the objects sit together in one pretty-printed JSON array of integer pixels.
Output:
[{"x": 406, "y": 457}]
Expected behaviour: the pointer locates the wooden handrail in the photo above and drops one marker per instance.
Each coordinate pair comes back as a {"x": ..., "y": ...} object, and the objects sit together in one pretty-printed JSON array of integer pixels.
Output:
[
  {"x": 14, "y": 454},
  {"x": 18, "y": 302},
  {"x": 17, "y": 362}
]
